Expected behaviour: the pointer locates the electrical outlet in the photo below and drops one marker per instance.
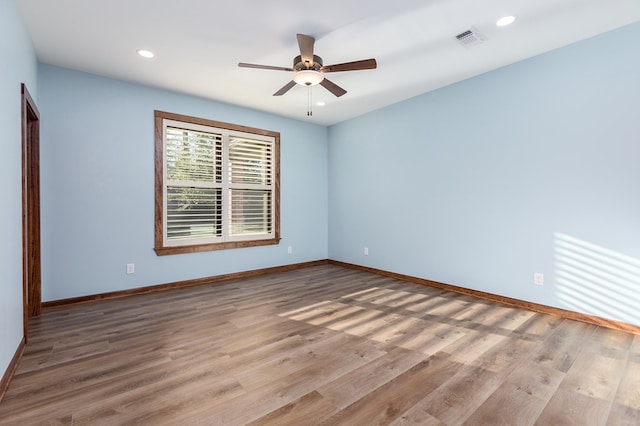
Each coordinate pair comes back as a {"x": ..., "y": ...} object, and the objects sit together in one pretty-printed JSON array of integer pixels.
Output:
[
  {"x": 290, "y": 250},
  {"x": 131, "y": 268},
  {"x": 538, "y": 278},
  {"x": 366, "y": 251}
]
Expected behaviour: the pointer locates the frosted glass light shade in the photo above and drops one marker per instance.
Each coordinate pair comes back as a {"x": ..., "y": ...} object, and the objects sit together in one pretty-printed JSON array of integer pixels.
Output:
[{"x": 308, "y": 77}]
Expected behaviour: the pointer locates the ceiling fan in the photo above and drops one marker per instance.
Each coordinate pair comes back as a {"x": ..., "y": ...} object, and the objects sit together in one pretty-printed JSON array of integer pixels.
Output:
[{"x": 309, "y": 70}]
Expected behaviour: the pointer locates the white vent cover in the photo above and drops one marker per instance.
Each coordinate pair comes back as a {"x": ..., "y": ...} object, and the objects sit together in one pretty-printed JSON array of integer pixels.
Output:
[{"x": 470, "y": 38}]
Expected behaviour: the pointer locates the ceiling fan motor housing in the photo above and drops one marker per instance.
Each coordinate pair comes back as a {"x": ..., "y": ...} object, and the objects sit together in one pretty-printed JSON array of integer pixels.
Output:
[{"x": 298, "y": 65}]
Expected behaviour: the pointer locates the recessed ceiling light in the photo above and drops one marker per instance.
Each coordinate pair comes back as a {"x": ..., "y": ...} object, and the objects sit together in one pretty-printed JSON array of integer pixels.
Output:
[
  {"x": 505, "y": 20},
  {"x": 321, "y": 103},
  {"x": 145, "y": 53}
]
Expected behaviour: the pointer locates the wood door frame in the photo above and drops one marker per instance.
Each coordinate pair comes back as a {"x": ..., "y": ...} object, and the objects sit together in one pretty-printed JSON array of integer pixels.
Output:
[{"x": 31, "y": 267}]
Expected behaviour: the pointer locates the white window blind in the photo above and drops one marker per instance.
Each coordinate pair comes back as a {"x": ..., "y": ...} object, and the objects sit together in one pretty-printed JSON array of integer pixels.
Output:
[
  {"x": 250, "y": 175},
  {"x": 193, "y": 184}
]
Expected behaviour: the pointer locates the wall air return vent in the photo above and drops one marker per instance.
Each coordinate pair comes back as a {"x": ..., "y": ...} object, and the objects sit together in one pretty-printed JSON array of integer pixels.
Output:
[{"x": 470, "y": 38}]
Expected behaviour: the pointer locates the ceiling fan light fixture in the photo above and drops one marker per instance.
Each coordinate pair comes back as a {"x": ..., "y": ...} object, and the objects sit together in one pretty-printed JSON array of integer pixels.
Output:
[{"x": 308, "y": 77}]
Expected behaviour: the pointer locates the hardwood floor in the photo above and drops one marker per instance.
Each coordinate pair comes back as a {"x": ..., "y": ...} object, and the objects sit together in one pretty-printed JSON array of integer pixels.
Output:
[{"x": 320, "y": 345}]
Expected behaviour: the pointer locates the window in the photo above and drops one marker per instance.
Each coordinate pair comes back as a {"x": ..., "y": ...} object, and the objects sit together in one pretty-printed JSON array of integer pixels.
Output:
[{"x": 217, "y": 185}]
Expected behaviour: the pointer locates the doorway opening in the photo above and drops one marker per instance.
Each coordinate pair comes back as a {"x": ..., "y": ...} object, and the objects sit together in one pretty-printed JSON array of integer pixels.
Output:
[{"x": 31, "y": 268}]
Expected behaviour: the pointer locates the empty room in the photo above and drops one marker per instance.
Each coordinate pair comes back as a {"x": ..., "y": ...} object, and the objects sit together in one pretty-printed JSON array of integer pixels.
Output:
[{"x": 294, "y": 212}]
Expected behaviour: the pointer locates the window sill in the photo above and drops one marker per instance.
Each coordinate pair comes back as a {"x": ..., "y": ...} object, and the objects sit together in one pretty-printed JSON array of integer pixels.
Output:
[{"x": 196, "y": 248}]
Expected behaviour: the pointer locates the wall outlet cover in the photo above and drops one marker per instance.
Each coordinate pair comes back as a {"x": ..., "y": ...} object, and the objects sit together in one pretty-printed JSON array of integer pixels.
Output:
[{"x": 538, "y": 278}]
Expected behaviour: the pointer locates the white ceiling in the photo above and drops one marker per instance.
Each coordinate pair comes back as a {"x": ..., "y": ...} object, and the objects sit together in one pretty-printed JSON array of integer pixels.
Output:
[{"x": 198, "y": 43}]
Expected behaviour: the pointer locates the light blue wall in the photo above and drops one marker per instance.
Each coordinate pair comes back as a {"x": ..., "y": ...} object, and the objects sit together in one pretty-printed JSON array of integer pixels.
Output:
[
  {"x": 534, "y": 167},
  {"x": 97, "y": 171},
  {"x": 18, "y": 65}
]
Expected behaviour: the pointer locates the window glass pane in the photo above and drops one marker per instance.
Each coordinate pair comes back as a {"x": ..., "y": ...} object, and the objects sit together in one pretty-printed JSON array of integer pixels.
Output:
[
  {"x": 193, "y": 156},
  {"x": 193, "y": 212},
  {"x": 250, "y": 212},
  {"x": 250, "y": 161}
]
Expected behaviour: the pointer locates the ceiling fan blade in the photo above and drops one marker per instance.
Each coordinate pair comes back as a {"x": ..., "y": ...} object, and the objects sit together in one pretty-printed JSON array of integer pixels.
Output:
[
  {"x": 332, "y": 87},
  {"x": 306, "y": 43},
  {"x": 285, "y": 88},
  {"x": 365, "y": 64},
  {"x": 264, "y": 67}
]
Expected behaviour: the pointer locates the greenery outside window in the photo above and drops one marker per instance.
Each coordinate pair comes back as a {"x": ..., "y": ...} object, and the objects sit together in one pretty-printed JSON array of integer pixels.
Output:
[{"x": 217, "y": 185}]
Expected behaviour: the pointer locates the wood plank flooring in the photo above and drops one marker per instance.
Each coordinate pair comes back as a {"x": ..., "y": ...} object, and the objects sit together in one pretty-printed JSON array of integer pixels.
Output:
[{"x": 320, "y": 345}]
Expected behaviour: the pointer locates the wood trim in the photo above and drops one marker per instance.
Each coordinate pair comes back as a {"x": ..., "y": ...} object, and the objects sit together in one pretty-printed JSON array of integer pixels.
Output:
[
  {"x": 536, "y": 307},
  {"x": 31, "y": 270},
  {"x": 276, "y": 188},
  {"x": 159, "y": 247},
  {"x": 196, "y": 248},
  {"x": 11, "y": 369},
  {"x": 159, "y": 173},
  {"x": 181, "y": 284},
  {"x": 213, "y": 123}
]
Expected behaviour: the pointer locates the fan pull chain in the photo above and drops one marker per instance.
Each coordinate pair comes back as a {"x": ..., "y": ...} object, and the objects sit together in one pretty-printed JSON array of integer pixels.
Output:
[{"x": 309, "y": 103}]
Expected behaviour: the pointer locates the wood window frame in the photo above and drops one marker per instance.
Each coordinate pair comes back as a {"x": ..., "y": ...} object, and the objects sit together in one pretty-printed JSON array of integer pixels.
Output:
[{"x": 160, "y": 247}]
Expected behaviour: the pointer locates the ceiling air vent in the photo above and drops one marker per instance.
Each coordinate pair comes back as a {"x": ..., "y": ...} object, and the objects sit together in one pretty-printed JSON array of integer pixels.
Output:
[{"x": 470, "y": 38}]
